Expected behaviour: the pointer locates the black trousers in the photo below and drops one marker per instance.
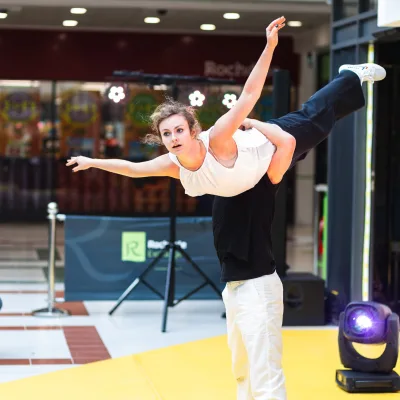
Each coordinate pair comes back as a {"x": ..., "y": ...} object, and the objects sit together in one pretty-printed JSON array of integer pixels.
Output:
[{"x": 317, "y": 117}]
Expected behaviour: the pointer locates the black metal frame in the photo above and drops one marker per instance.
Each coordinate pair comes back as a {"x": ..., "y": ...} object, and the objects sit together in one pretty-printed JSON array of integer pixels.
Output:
[{"x": 350, "y": 38}]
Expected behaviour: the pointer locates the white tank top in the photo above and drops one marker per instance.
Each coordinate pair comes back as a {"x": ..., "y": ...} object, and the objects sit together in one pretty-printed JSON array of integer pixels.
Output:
[{"x": 255, "y": 152}]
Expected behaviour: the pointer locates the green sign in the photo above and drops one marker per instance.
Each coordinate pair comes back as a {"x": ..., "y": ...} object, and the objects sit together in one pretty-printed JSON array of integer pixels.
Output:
[
  {"x": 140, "y": 108},
  {"x": 133, "y": 246},
  {"x": 211, "y": 111}
]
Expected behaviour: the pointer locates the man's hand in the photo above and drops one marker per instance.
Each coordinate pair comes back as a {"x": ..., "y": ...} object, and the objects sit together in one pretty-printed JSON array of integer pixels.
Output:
[
  {"x": 83, "y": 163},
  {"x": 246, "y": 124},
  {"x": 272, "y": 31}
]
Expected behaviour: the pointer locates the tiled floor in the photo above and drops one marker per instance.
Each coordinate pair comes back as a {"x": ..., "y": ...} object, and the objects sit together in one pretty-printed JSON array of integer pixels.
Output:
[{"x": 32, "y": 345}]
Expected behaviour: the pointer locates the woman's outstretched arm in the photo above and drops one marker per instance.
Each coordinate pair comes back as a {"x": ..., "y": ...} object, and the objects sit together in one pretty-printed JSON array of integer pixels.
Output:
[{"x": 160, "y": 166}]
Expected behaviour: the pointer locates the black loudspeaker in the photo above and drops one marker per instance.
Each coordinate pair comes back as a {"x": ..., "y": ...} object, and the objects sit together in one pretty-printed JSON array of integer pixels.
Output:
[{"x": 303, "y": 299}]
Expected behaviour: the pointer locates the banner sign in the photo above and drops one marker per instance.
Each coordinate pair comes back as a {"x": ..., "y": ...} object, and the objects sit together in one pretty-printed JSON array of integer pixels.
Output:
[{"x": 103, "y": 255}]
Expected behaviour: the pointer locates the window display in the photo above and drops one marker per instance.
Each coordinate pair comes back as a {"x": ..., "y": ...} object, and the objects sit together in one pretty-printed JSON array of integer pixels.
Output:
[{"x": 44, "y": 123}]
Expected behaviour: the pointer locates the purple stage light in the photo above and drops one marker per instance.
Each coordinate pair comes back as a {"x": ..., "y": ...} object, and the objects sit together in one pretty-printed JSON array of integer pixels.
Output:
[
  {"x": 363, "y": 322},
  {"x": 360, "y": 321},
  {"x": 368, "y": 322}
]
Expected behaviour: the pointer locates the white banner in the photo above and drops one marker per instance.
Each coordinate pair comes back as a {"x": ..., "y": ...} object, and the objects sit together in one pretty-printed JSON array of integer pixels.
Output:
[{"x": 389, "y": 13}]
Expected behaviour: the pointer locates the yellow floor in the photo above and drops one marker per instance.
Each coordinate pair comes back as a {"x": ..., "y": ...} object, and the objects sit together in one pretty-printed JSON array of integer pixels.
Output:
[{"x": 193, "y": 371}]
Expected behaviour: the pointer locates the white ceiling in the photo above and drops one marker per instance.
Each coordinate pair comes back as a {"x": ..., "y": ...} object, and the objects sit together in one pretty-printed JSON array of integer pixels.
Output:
[{"x": 176, "y": 16}]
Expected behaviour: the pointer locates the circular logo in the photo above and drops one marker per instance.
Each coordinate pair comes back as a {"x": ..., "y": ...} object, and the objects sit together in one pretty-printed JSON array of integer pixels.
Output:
[
  {"x": 80, "y": 109},
  {"x": 210, "y": 111},
  {"x": 19, "y": 107},
  {"x": 140, "y": 108}
]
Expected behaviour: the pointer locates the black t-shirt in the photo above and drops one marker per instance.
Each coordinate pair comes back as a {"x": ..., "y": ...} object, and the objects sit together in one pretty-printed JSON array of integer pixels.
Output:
[{"x": 242, "y": 232}]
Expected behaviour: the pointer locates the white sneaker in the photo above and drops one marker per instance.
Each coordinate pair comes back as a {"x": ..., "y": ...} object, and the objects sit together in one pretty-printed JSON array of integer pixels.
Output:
[{"x": 366, "y": 72}]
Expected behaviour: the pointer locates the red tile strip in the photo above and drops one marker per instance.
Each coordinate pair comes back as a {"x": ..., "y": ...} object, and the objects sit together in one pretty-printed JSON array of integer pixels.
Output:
[
  {"x": 84, "y": 343},
  {"x": 15, "y": 314},
  {"x": 74, "y": 307},
  {"x": 49, "y": 361},
  {"x": 12, "y": 328},
  {"x": 16, "y": 361},
  {"x": 43, "y": 328}
]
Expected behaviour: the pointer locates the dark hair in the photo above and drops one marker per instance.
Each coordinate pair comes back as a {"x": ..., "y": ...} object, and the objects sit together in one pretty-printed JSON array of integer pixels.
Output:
[{"x": 166, "y": 110}]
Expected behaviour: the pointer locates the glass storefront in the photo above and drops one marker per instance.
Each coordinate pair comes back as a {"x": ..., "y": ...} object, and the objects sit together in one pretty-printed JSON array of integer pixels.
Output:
[
  {"x": 43, "y": 123},
  {"x": 368, "y": 5},
  {"x": 345, "y": 9},
  {"x": 350, "y": 8}
]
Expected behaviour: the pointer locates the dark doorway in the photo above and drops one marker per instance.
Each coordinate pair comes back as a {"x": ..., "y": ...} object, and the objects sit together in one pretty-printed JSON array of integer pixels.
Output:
[{"x": 386, "y": 211}]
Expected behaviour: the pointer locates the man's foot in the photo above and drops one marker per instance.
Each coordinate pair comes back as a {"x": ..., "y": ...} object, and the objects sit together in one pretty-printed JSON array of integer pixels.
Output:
[{"x": 366, "y": 72}]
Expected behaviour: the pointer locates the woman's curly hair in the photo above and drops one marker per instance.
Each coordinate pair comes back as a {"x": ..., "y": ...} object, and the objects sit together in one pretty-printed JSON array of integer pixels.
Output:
[{"x": 166, "y": 110}]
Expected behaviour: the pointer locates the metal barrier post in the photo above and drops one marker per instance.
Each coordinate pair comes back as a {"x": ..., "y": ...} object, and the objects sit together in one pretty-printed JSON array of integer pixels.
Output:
[
  {"x": 317, "y": 211},
  {"x": 50, "y": 310}
]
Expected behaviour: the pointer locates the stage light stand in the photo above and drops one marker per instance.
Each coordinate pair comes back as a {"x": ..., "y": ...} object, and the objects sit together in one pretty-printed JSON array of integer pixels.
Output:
[{"x": 172, "y": 247}]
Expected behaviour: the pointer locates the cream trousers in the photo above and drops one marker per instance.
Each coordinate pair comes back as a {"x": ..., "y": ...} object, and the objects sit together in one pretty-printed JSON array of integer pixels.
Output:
[{"x": 254, "y": 312}]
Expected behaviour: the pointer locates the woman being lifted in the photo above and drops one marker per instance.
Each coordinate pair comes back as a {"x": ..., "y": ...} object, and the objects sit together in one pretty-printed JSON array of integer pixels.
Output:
[{"x": 214, "y": 161}]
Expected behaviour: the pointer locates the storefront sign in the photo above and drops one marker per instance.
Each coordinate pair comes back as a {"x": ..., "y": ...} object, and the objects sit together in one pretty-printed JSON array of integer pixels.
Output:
[
  {"x": 79, "y": 109},
  {"x": 19, "y": 107},
  {"x": 236, "y": 70}
]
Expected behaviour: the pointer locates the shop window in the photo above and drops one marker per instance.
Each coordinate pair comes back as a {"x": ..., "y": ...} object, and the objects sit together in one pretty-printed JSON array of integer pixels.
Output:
[
  {"x": 42, "y": 124},
  {"x": 368, "y": 5},
  {"x": 345, "y": 8}
]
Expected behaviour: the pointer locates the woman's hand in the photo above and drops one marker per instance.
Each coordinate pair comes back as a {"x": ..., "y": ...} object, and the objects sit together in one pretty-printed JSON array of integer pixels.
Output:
[
  {"x": 83, "y": 163},
  {"x": 272, "y": 31},
  {"x": 221, "y": 141}
]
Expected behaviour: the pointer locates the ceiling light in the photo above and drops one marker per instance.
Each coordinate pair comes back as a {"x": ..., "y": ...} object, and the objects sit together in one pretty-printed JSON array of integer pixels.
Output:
[
  {"x": 70, "y": 22},
  {"x": 152, "y": 20},
  {"x": 207, "y": 27},
  {"x": 77, "y": 10},
  {"x": 160, "y": 87},
  {"x": 3, "y": 15},
  {"x": 295, "y": 24},
  {"x": 231, "y": 16},
  {"x": 19, "y": 83}
]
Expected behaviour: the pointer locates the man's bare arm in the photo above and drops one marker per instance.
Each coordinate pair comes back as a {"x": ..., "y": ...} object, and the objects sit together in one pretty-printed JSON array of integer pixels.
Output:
[{"x": 285, "y": 145}]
